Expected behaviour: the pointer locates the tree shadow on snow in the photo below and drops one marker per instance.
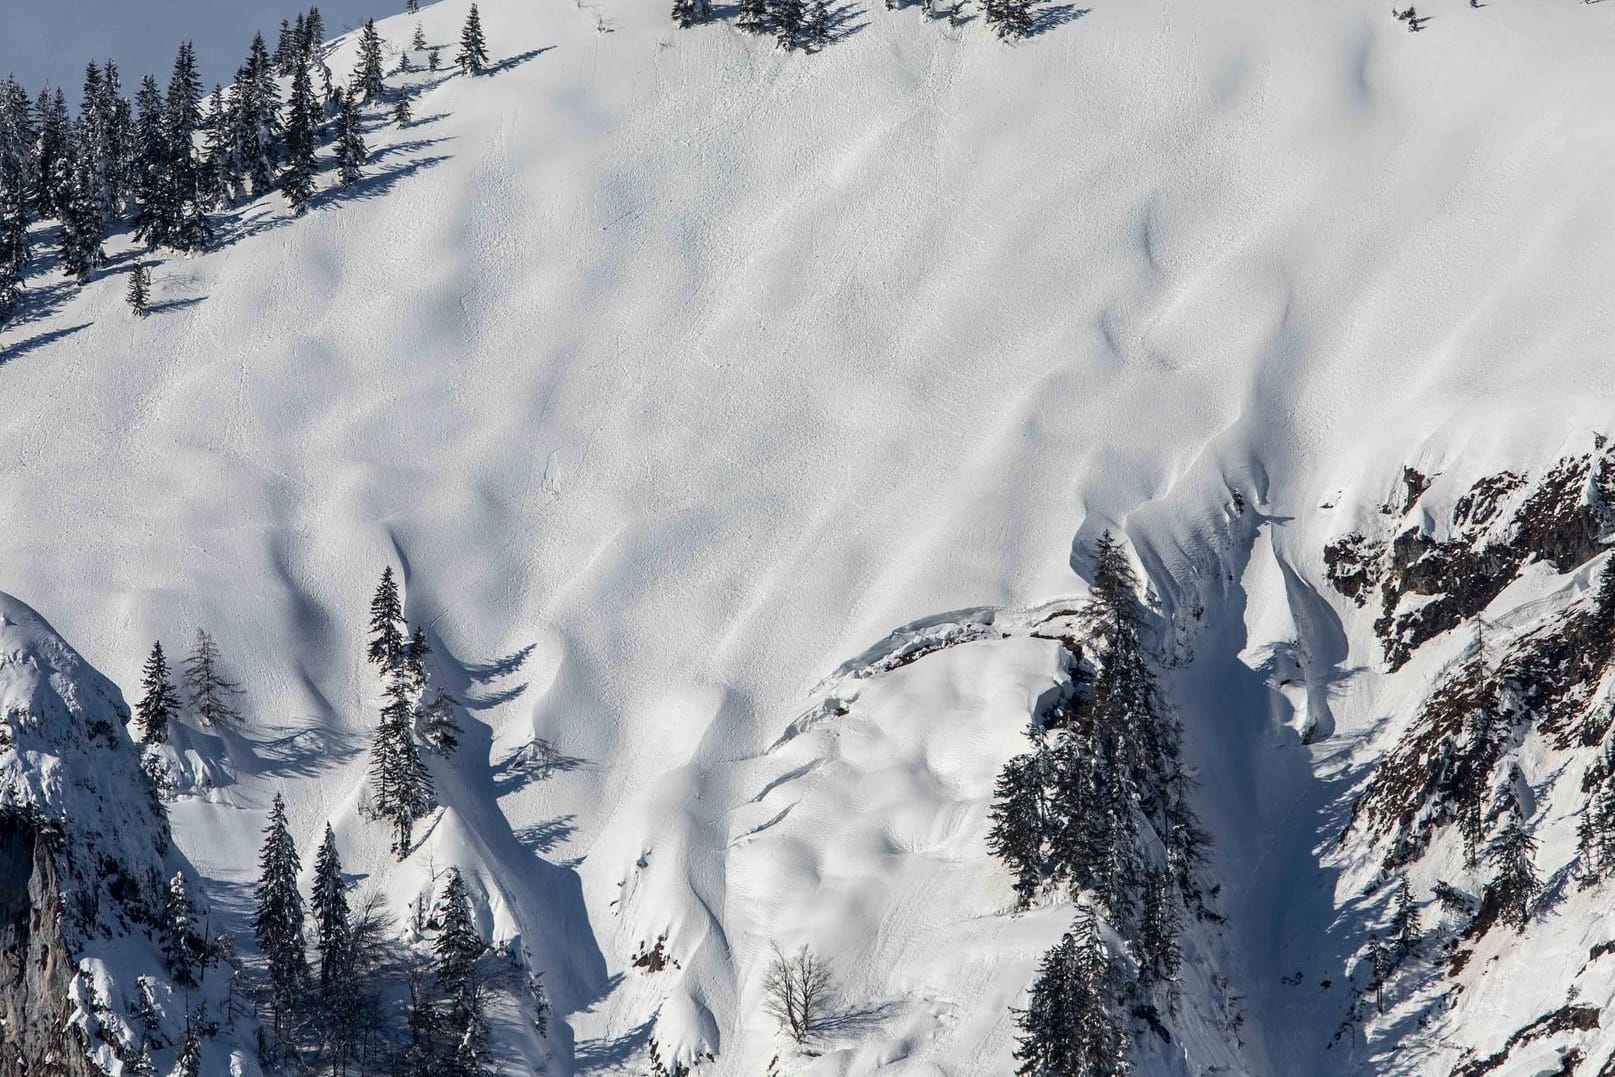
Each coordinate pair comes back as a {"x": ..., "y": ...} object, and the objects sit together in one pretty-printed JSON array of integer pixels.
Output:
[
  {"x": 300, "y": 753},
  {"x": 543, "y": 837},
  {"x": 858, "y": 1020},
  {"x": 8, "y": 352},
  {"x": 1055, "y": 15},
  {"x": 500, "y": 667},
  {"x": 616, "y": 1051},
  {"x": 516, "y": 61},
  {"x": 375, "y": 184},
  {"x": 174, "y": 304},
  {"x": 532, "y": 762}
]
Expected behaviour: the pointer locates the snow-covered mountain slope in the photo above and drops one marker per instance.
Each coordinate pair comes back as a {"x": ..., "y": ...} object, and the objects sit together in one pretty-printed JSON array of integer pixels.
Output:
[
  {"x": 673, "y": 371},
  {"x": 86, "y": 863}
]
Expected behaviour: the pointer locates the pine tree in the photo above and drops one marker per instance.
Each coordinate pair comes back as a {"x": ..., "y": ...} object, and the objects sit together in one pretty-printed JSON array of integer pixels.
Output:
[
  {"x": 753, "y": 16},
  {"x": 1020, "y": 827},
  {"x": 816, "y": 30},
  {"x": 184, "y": 210},
  {"x": 403, "y": 116},
  {"x": 1160, "y": 956},
  {"x": 418, "y": 42},
  {"x": 386, "y": 623},
  {"x": 400, "y": 783},
  {"x": 190, "y": 1056},
  {"x": 350, "y": 147},
  {"x": 219, "y": 173},
  {"x": 1071, "y": 1028},
  {"x": 212, "y": 693},
  {"x": 120, "y": 138},
  {"x": 1009, "y": 19},
  {"x": 140, "y": 1063},
  {"x": 287, "y": 50},
  {"x": 53, "y": 156},
  {"x": 159, "y": 703},
  {"x": 302, "y": 134},
  {"x": 412, "y": 7},
  {"x": 367, "y": 74},
  {"x": 1379, "y": 970},
  {"x": 1406, "y": 932},
  {"x": 1512, "y": 856},
  {"x": 278, "y": 921},
  {"x": 139, "y": 292},
  {"x": 416, "y": 651},
  {"x": 688, "y": 13},
  {"x": 14, "y": 221},
  {"x": 433, "y": 60},
  {"x": 257, "y": 133},
  {"x": 313, "y": 37},
  {"x": 329, "y": 904},
  {"x": 473, "y": 57},
  {"x": 439, "y": 729},
  {"x": 143, "y": 1012},
  {"x": 787, "y": 16},
  {"x": 458, "y": 945},
  {"x": 183, "y": 945}
]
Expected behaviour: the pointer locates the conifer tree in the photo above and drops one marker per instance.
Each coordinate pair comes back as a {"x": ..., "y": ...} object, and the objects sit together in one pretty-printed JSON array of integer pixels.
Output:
[
  {"x": 302, "y": 135},
  {"x": 184, "y": 210},
  {"x": 787, "y": 17},
  {"x": 416, "y": 651},
  {"x": 458, "y": 945},
  {"x": 1020, "y": 826},
  {"x": 403, "y": 115},
  {"x": 278, "y": 920},
  {"x": 1160, "y": 956},
  {"x": 418, "y": 42},
  {"x": 433, "y": 61},
  {"x": 288, "y": 47},
  {"x": 139, "y": 293},
  {"x": 140, "y": 1063},
  {"x": 688, "y": 13},
  {"x": 313, "y": 35},
  {"x": 159, "y": 703},
  {"x": 83, "y": 220},
  {"x": 329, "y": 904},
  {"x": 183, "y": 945},
  {"x": 412, "y": 7},
  {"x": 1406, "y": 932},
  {"x": 120, "y": 138},
  {"x": 367, "y": 74},
  {"x": 753, "y": 16},
  {"x": 1512, "y": 856},
  {"x": 212, "y": 694},
  {"x": 440, "y": 730},
  {"x": 386, "y": 623},
  {"x": 816, "y": 28},
  {"x": 53, "y": 156},
  {"x": 350, "y": 146},
  {"x": 190, "y": 1056},
  {"x": 400, "y": 784},
  {"x": 255, "y": 119},
  {"x": 1070, "y": 1027},
  {"x": 14, "y": 220},
  {"x": 473, "y": 57}
]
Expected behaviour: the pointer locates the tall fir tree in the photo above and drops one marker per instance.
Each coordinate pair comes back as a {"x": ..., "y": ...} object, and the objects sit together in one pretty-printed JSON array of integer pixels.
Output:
[
  {"x": 150, "y": 166},
  {"x": 184, "y": 211},
  {"x": 401, "y": 786},
  {"x": 302, "y": 138},
  {"x": 786, "y": 17},
  {"x": 473, "y": 56},
  {"x": 1020, "y": 823},
  {"x": 277, "y": 922},
  {"x": 1070, "y": 1027},
  {"x": 367, "y": 74},
  {"x": 1406, "y": 932},
  {"x": 255, "y": 118},
  {"x": 386, "y": 623},
  {"x": 183, "y": 944},
  {"x": 139, "y": 294},
  {"x": 329, "y": 905},
  {"x": 189, "y": 1063},
  {"x": 350, "y": 146},
  {"x": 14, "y": 221},
  {"x": 120, "y": 138},
  {"x": 159, "y": 703},
  {"x": 1514, "y": 883},
  {"x": 213, "y": 695},
  {"x": 753, "y": 16},
  {"x": 53, "y": 156}
]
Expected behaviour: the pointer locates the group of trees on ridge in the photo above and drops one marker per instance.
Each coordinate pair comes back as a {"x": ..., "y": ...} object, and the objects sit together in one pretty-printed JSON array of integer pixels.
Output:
[
  {"x": 163, "y": 166},
  {"x": 362, "y": 1003}
]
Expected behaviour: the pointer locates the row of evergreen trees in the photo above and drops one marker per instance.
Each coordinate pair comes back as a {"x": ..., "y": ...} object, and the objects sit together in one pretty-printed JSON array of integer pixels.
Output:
[
  {"x": 1100, "y": 808},
  {"x": 164, "y": 165},
  {"x": 810, "y": 24}
]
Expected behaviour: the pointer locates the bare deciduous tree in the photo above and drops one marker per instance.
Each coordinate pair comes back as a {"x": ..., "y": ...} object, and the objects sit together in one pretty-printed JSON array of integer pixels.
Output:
[{"x": 799, "y": 993}]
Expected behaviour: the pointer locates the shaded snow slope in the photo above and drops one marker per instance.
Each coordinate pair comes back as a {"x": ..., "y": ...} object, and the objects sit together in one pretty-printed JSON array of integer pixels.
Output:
[{"x": 673, "y": 371}]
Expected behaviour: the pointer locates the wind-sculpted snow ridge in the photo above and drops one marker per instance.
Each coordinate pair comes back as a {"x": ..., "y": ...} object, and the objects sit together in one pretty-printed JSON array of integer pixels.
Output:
[{"x": 86, "y": 870}]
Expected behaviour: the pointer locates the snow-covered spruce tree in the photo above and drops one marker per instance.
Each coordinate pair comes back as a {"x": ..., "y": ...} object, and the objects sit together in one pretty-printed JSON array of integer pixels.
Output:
[
  {"x": 1020, "y": 817},
  {"x": 53, "y": 156},
  {"x": 415, "y": 652},
  {"x": 182, "y": 211},
  {"x": 418, "y": 42},
  {"x": 255, "y": 119},
  {"x": 458, "y": 947},
  {"x": 329, "y": 904},
  {"x": 367, "y": 74},
  {"x": 138, "y": 294},
  {"x": 139, "y": 1063},
  {"x": 753, "y": 16},
  {"x": 1009, "y": 19},
  {"x": 403, "y": 114},
  {"x": 213, "y": 695},
  {"x": 120, "y": 138},
  {"x": 1160, "y": 957},
  {"x": 1514, "y": 884},
  {"x": 816, "y": 26},
  {"x": 159, "y": 703},
  {"x": 219, "y": 174},
  {"x": 14, "y": 220},
  {"x": 150, "y": 163},
  {"x": 183, "y": 944},
  {"x": 84, "y": 217},
  {"x": 786, "y": 17},
  {"x": 386, "y": 623},
  {"x": 412, "y": 7},
  {"x": 401, "y": 787},
  {"x": 1406, "y": 932},
  {"x": 473, "y": 56},
  {"x": 351, "y": 151},
  {"x": 312, "y": 39},
  {"x": 302, "y": 138},
  {"x": 277, "y": 923},
  {"x": 1070, "y": 1027},
  {"x": 438, "y": 728},
  {"x": 190, "y": 1056},
  {"x": 287, "y": 47},
  {"x": 688, "y": 13}
]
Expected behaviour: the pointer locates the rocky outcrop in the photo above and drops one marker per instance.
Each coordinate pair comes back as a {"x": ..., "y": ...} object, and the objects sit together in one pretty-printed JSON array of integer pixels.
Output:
[{"x": 36, "y": 968}]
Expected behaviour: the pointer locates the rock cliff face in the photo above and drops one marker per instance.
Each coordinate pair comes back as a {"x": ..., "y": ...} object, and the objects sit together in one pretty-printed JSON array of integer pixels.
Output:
[
  {"x": 85, "y": 851},
  {"x": 36, "y": 969}
]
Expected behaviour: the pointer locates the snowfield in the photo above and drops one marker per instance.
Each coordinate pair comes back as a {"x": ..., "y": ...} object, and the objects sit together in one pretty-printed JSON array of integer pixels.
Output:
[{"x": 675, "y": 373}]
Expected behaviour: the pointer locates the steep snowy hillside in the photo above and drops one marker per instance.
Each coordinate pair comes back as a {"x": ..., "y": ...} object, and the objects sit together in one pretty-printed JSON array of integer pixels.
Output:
[{"x": 675, "y": 372}]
